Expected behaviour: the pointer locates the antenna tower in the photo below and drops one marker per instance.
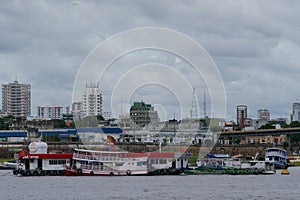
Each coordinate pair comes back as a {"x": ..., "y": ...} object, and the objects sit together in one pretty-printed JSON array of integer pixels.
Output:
[
  {"x": 204, "y": 106},
  {"x": 194, "y": 113}
]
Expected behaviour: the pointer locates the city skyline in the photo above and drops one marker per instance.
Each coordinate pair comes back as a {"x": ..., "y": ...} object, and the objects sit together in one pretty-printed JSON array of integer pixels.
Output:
[
  {"x": 263, "y": 113},
  {"x": 254, "y": 45}
]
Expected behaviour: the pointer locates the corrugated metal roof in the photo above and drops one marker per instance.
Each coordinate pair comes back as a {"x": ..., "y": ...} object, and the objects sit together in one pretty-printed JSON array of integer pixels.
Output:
[
  {"x": 108, "y": 130},
  {"x": 11, "y": 133}
]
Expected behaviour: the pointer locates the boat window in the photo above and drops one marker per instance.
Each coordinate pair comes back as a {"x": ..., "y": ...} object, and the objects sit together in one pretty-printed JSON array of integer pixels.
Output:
[
  {"x": 154, "y": 161},
  {"x": 57, "y": 162},
  {"x": 162, "y": 161},
  {"x": 140, "y": 163}
]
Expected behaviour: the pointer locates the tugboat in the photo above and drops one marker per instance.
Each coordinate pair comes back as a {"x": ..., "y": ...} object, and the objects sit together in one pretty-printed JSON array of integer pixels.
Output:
[{"x": 38, "y": 162}]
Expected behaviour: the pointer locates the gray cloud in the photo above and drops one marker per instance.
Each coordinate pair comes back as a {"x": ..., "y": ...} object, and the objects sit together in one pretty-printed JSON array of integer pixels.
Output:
[{"x": 255, "y": 45}]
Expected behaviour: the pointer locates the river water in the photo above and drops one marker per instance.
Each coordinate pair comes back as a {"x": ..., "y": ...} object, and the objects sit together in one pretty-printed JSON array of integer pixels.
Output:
[{"x": 285, "y": 187}]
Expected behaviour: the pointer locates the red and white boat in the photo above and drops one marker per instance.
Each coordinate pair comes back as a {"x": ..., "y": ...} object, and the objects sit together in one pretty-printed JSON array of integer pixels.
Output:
[
  {"x": 109, "y": 163},
  {"x": 119, "y": 163},
  {"x": 38, "y": 162}
]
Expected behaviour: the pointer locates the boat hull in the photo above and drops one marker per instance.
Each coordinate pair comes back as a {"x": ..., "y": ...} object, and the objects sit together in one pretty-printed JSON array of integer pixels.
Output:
[
  {"x": 231, "y": 171},
  {"x": 80, "y": 172}
]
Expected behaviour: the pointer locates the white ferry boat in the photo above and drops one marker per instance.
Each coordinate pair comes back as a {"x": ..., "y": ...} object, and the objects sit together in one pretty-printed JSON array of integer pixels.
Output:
[
  {"x": 120, "y": 163},
  {"x": 101, "y": 163}
]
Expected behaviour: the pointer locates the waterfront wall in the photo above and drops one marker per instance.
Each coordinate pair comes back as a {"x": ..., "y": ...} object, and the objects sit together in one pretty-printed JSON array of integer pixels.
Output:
[{"x": 8, "y": 150}]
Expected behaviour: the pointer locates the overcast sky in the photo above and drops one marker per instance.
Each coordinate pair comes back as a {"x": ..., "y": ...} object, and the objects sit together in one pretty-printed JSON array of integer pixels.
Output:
[{"x": 255, "y": 45}]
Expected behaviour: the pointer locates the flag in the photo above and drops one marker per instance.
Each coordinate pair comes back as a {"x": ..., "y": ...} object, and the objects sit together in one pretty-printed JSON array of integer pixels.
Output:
[{"x": 22, "y": 153}]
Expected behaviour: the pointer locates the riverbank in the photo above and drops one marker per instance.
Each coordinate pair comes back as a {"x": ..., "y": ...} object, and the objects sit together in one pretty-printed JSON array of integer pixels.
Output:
[{"x": 7, "y": 150}]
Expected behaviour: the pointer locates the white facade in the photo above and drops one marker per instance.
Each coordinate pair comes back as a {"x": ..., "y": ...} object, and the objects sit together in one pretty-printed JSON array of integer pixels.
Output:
[
  {"x": 92, "y": 101},
  {"x": 77, "y": 111},
  {"x": 296, "y": 112},
  {"x": 52, "y": 112}
]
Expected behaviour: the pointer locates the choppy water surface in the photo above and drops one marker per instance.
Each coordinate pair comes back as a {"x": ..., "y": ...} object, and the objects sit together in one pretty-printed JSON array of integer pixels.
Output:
[{"x": 153, "y": 187}]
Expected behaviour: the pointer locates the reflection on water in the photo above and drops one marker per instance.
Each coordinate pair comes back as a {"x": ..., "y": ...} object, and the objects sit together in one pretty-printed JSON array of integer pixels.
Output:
[{"x": 152, "y": 187}]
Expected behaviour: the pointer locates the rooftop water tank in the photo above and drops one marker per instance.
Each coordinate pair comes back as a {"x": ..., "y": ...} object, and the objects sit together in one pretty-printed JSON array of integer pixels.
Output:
[{"x": 38, "y": 147}]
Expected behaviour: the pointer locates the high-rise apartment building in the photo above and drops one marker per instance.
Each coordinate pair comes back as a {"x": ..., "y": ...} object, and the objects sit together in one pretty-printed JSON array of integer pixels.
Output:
[
  {"x": 263, "y": 114},
  {"x": 16, "y": 99},
  {"x": 295, "y": 116},
  {"x": 52, "y": 112},
  {"x": 92, "y": 101}
]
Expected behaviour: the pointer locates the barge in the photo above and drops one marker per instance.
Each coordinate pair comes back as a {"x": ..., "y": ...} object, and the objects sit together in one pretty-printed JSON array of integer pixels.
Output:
[{"x": 38, "y": 162}]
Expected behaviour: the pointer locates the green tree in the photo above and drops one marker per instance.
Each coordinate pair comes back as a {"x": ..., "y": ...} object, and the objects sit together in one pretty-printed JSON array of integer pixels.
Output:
[
  {"x": 295, "y": 138},
  {"x": 294, "y": 124},
  {"x": 284, "y": 125},
  {"x": 58, "y": 123},
  {"x": 72, "y": 125},
  {"x": 100, "y": 118},
  {"x": 267, "y": 126},
  {"x": 4, "y": 124},
  {"x": 286, "y": 145}
]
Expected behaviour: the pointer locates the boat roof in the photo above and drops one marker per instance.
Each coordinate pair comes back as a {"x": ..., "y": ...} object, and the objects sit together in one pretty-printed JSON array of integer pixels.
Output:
[
  {"x": 275, "y": 149},
  {"x": 49, "y": 156},
  {"x": 161, "y": 155},
  {"x": 132, "y": 154},
  {"x": 96, "y": 151}
]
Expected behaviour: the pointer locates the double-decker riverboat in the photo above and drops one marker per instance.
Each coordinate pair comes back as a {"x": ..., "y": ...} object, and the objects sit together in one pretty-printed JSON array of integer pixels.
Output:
[
  {"x": 278, "y": 156},
  {"x": 121, "y": 163},
  {"x": 105, "y": 163}
]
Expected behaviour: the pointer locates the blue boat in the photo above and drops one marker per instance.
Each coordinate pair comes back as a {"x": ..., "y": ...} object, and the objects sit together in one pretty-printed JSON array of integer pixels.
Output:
[{"x": 278, "y": 156}]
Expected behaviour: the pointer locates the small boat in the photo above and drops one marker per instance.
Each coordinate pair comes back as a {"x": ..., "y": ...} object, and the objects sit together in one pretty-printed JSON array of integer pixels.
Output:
[
  {"x": 285, "y": 172},
  {"x": 9, "y": 165},
  {"x": 278, "y": 156}
]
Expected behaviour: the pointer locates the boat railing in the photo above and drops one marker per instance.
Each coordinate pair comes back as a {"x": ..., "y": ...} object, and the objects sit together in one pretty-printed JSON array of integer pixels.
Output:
[
  {"x": 274, "y": 154},
  {"x": 98, "y": 158}
]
